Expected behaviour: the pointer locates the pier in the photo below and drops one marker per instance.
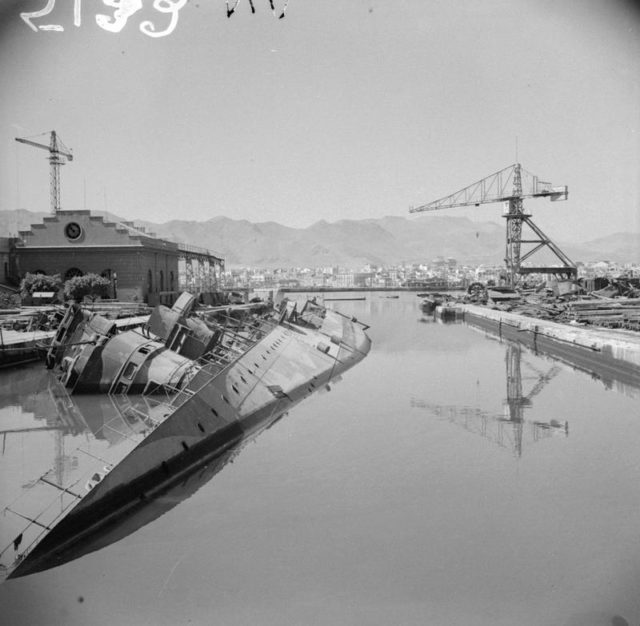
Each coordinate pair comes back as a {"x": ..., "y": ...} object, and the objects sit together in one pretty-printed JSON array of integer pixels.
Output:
[{"x": 610, "y": 353}]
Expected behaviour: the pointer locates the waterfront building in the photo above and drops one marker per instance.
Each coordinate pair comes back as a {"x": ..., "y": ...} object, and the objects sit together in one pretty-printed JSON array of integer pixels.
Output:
[{"x": 140, "y": 266}]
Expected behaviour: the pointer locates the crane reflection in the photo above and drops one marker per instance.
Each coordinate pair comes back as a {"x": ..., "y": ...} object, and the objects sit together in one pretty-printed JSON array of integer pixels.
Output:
[{"x": 511, "y": 428}]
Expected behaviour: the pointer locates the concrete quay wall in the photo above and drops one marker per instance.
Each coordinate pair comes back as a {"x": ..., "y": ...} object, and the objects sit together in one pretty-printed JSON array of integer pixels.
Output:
[{"x": 611, "y": 352}]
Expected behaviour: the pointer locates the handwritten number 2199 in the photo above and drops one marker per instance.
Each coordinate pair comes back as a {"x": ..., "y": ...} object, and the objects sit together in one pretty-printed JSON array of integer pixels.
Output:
[{"x": 123, "y": 10}]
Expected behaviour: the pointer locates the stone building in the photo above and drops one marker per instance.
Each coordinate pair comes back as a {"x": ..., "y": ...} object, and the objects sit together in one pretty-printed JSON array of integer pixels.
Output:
[{"x": 140, "y": 266}]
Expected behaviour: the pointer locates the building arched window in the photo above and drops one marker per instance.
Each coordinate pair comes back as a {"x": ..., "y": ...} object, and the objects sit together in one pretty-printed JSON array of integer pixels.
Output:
[
  {"x": 161, "y": 280},
  {"x": 171, "y": 279},
  {"x": 150, "y": 281},
  {"x": 72, "y": 272}
]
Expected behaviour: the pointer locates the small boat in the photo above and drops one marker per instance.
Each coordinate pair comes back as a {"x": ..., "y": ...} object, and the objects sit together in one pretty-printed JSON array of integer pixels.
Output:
[
  {"x": 449, "y": 313},
  {"x": 431, "y": 301}
]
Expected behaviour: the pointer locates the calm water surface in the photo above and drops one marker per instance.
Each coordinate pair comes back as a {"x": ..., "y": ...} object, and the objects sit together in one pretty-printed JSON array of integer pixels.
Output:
[{"x": 450, "y": 478}]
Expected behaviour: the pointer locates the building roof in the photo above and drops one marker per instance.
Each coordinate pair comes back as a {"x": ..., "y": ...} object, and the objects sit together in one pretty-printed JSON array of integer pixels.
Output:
[{"x": 84, "y": 229}]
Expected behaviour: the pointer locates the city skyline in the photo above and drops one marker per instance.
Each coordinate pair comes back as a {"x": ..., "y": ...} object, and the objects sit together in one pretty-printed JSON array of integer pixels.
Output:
[{"x": 337, "y": 111}]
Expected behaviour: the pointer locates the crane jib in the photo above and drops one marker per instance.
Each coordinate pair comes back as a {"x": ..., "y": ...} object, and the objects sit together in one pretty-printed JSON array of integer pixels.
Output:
[
  {"x": 511, "y": 186},
  {"x": 56, "y": 150}
]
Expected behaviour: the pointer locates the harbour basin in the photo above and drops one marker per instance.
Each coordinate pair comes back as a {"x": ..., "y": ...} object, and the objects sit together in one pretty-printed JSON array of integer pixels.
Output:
[{"x": 452, "y": 477}]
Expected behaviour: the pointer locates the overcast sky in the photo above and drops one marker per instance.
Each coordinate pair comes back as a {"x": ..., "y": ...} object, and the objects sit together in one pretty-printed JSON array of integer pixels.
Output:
[{"x": 343, "y": 109}]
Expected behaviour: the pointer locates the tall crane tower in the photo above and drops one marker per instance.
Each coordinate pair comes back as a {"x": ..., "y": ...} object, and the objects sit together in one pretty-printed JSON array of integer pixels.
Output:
[
  {"x": 56, "y": 150},
  {"x": 511, "y": 186}
]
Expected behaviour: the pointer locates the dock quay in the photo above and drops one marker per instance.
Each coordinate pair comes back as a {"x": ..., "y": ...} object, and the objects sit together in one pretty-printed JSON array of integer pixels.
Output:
[
  {"x": 18, "y": 347},
  {"x": 611, "y": 354}
]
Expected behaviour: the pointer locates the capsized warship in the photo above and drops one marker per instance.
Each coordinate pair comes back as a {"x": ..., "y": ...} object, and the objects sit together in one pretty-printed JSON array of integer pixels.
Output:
[{"x": 167, "y": 404}]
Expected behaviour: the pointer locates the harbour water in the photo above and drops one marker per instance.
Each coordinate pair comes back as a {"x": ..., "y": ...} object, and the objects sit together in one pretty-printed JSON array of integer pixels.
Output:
[{"x": 450, "y": 478}]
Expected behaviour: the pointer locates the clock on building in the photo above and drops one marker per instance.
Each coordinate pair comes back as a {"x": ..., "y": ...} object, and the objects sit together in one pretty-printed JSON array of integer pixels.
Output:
[{"x": 72, "y": 230}]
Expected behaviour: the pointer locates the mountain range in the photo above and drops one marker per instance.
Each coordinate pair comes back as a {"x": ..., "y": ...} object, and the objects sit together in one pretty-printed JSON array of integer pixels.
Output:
[{"x": 354, "y": 243}]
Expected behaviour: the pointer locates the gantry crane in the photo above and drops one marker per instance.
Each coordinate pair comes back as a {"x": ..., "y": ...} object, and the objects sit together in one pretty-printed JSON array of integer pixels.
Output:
[
  {"x": 512, "y": 185},
  {"x": 56, "y": 150}
]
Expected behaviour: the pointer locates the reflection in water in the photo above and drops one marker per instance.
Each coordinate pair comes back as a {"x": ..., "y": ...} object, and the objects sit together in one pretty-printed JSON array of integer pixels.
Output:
[
  {"x": 127, "y": 449},
  {"x": 363, "y": 509},
  {"x": 624, "y": 380},
  {"x": 506, "y": 430},
  {"x": 51, "y": 439},
  {"x": 46, "y": 411}
]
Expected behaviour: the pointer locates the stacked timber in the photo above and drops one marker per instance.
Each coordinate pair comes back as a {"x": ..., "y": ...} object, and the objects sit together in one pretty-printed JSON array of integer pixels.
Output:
[
  {"x": 591, "y": 310},
  {"x": 610, "y": 313}
]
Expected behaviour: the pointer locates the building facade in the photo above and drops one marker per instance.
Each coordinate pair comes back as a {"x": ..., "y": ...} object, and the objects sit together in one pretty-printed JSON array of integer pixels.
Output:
[{"x": 140, "y": 266}]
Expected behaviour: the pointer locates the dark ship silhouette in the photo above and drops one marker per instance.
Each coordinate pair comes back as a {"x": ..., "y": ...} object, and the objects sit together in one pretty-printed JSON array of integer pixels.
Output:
[{"x": 168, "y": 405}]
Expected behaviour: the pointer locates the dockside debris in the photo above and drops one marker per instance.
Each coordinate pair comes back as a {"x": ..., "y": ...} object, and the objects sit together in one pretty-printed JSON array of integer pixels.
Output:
[
  {"x": 617, "y": 305},
  {"x": 184, "y": 391}
]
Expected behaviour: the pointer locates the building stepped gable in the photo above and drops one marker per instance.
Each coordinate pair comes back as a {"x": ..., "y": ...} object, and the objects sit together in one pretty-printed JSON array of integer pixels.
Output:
[{"x": 82, "y": 228}]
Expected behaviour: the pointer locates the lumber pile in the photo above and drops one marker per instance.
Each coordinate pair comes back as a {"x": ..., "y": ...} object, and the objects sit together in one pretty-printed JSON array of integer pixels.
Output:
[
  {"x": 594, "y": 311},
  {"x": 617, "y": 305},
  {"x": 609, "y": 312}
]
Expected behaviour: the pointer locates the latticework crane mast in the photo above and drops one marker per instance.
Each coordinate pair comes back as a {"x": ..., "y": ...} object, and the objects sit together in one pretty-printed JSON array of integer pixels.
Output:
[
  {"x": 56, "y": 150},
  {"x": 510, "y": 186},
  {"x": 514, "y": 217}
]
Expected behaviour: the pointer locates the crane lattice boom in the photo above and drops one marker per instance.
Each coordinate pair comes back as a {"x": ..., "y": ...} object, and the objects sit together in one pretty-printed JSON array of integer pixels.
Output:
[
  {"x": 499, "y": 187},
  {"x": 56, "y": 150},
  {"x": 512, "y": 185}
]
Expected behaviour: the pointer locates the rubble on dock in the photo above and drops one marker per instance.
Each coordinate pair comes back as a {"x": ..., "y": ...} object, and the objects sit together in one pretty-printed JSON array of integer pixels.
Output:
[{"x": 615, "y": 306}]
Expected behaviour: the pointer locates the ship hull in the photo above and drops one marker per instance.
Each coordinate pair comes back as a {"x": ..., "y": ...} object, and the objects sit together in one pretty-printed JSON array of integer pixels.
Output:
[{"x": 200, "y": 426}]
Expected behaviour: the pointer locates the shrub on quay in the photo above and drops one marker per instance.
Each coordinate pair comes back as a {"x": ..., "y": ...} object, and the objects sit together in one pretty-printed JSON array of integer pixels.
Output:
[
  {"x": 9, "y": 300},
  {"x": 90, "y": 286},
  {"x": 32, "y": 283}
]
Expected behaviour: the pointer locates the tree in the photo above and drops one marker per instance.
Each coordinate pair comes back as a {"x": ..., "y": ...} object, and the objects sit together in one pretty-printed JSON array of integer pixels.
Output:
[
  {"x": 9, "y": 300},
  {"x": 39, "y": 282},
  {"x": 89, "y": 286}
]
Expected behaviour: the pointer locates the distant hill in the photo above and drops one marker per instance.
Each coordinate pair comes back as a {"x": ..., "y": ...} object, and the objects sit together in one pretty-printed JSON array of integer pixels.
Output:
[
  {"x": 354, "y": 243},
  {"x": 350, "y": 243},
  {"x": 618, "y": 248},
  {"x": 13, "y": 221}
]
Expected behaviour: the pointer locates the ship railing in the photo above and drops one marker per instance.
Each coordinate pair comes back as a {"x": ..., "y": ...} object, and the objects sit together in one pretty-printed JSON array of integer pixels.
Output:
[
  {"x": 46, "y": 524},
  {"x": 234, "y": 343},
  {"x": 352, "y": 320},
  {"x": 231, "y": 347},
  {"x": 223, "y": 355},
  {"x": 37, "y": 522},
  {"x": 175, "y": 397},
  {"x": 231, "y": 356},
  {"x": 218, "y": 358},
  {"x": 167, "y": 395},
  {"x": 255, "y": 327}
]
